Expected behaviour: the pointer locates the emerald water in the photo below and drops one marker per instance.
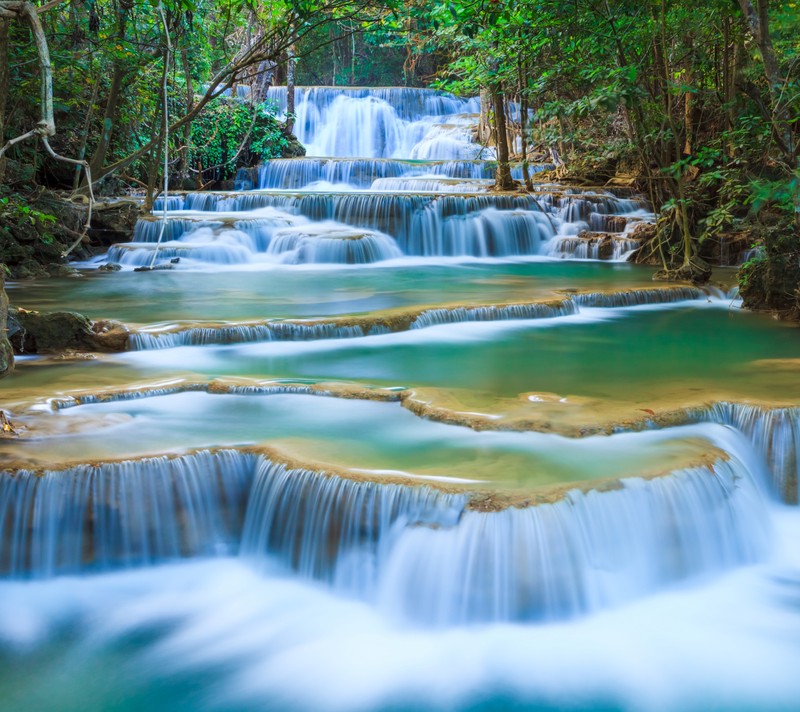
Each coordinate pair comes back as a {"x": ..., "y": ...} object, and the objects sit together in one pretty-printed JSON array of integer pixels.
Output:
[
  {"x": 238, "y": 295},
  {"x": 515, "y": 475}
]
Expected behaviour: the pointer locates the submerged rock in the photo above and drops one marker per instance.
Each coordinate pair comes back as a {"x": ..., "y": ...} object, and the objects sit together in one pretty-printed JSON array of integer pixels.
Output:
[{"x": 59, "y": 270}]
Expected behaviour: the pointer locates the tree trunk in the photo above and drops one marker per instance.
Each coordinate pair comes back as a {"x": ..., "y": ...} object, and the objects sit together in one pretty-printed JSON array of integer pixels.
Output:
[
  {"x": 484, "y": 127},
  {"x": 112, "y": 103},
  {"x": 187, "y": 129},
  {"x": 290, "y": 66},
  {"x": 3, "y": 90},
  {"x": 503, "y": 179},
  {"x": 757, "y": 17}
]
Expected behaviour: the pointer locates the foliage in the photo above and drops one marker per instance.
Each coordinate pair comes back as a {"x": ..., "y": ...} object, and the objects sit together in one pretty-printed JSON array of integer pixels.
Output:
[
  {"x": 17, "y": 216},
  {"x": 232, "y": 134}
]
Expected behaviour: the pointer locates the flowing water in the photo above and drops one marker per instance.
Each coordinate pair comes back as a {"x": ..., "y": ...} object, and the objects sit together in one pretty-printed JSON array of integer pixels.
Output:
[{"x": 383, "y": 439}]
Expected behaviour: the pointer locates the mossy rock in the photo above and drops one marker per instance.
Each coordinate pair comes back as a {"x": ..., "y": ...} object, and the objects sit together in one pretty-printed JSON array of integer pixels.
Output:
[
  {"x": 6, "y": 352},
  {"x": 34, "y": 332}
]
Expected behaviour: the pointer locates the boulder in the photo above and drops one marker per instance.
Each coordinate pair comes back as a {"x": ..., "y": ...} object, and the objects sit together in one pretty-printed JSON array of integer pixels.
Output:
[
  {"x": 6, "y": 352},
  {"x": 34, "y": 332}
]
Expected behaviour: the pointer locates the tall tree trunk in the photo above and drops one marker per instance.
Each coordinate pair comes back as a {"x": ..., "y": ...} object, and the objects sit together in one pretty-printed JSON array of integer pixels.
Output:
[
  {"x": 503, "y": 179},
  {"x": 484, "y": 127},
  {"x": 113, "y": 100},
  {"x": 187, "y": 129},
  {"x": 3, "y": 90},
  {"x": 757, "y": 17},
  {"x": 290, "y": 66}
]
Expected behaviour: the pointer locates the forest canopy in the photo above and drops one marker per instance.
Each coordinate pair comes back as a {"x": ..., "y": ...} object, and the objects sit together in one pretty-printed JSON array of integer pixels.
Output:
[{"x": 696, "y": 105}]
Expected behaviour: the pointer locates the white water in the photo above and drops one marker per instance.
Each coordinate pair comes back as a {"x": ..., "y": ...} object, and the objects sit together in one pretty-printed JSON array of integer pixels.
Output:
[
  {"x": 414, "y": 151},
  {"x": 679, "y": 593}
]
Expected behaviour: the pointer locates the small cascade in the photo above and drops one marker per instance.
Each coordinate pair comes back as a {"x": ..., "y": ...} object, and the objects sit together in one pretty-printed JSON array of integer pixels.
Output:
[
  {"x": 249, "y": 333},
  {"x": 774, "y": 433},
  {"x": 450, "y": 142},
  {"x": 436, "y": 317},
  {"x": 122, "y": 514},
  {"x": 174, "y": 202},
  {"x": 429, "y": 183},
  {"x": 329, "y": 242},
  {"x": 491, "y": 233},
  {"x": 410, "y": 103},
  {"x": 360, "y": 173},
  {"x": 637, "y": 297},
  {"x": 159, "y": 338},
  {"x": 427, "y": 559},
  {"x": 148, "y": 230},
  {"x": 377, "y": 123},
  {"x": 582, "y": 553},
  {"x": 229, "y": 247},
  {"x": 592, "y": 246},
  {"x": 336, "y": 530}
]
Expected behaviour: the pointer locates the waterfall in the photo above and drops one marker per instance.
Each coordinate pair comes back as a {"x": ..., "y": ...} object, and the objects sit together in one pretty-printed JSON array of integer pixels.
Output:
[
  {"x": 585, "y": 552},
  {"x": 429, "y": 560},
  {"x": 249, "y": 333},
  {"x": 122, "y": 514},
  {"x": 160, "y": 338},
  {"x": 592, "y": 247},
  {"x": 774, "y": 433},
  {"x": 435, "y": 317},
  {"x": 636, "y": 297},
  {"x": 333, "y": 529},
  {"x": 332, "y": 242},
  {"x": 375, "y": 123}
]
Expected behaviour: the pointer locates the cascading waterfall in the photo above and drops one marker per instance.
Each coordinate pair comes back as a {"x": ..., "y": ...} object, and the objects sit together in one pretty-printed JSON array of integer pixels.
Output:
[
  {"x": 429, "y": 560},
  {"x": 774, "y": 433},
  {"x": 357, "y": 173},
  {"x": 585, "y": 552},
  {"x": 336, "y": 530},
  {"x": 410, "y": 148},
  {"x": 375, "y": 123},
  {"x": 637, "y": 297},
  {"x": 248, "y": 333},
  {"x": 122, "y": 514},
  {"x": 605, "y": 247},
  {"x": 328, "y": 242},
  {"x": 159, "y": 338},
  {"x": 434, "y": 317}
]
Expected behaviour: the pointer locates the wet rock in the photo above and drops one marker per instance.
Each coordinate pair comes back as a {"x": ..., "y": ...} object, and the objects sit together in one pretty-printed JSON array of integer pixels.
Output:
[
  {"x": 113, "y": 221},
  {"x": 34, "y": 332},
  {"x": 110, "y": 267},
  {"x": 155, "y": 268},
  {"x": 696, "y": 271},
  {"x": 110, "y": 335},
  {"x": 648, "y": 253},
  {"x": 30, "y": 269},
  {"x": 59, "y": 270},
  {"x": 6, "y": 352}
]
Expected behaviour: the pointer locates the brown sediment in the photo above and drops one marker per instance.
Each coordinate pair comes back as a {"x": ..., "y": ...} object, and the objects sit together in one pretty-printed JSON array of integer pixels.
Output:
[
  {"x": 779, "y": 364},
  {"x": 495, "y": 501}
]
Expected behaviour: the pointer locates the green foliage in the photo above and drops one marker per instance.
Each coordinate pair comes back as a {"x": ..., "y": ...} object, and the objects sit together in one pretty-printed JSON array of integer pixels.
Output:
[
  {"x": 16, "y": 217},
  {"x": 231, "y": 134}
]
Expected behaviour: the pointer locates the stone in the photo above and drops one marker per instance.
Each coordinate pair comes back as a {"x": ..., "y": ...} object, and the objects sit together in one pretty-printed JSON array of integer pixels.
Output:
[
  {"x": 113, "y": 221},
  {"x": 34, "y": 332},
  {"x": 59, "y": 270},
  {"x": 6, "y": 352}
]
